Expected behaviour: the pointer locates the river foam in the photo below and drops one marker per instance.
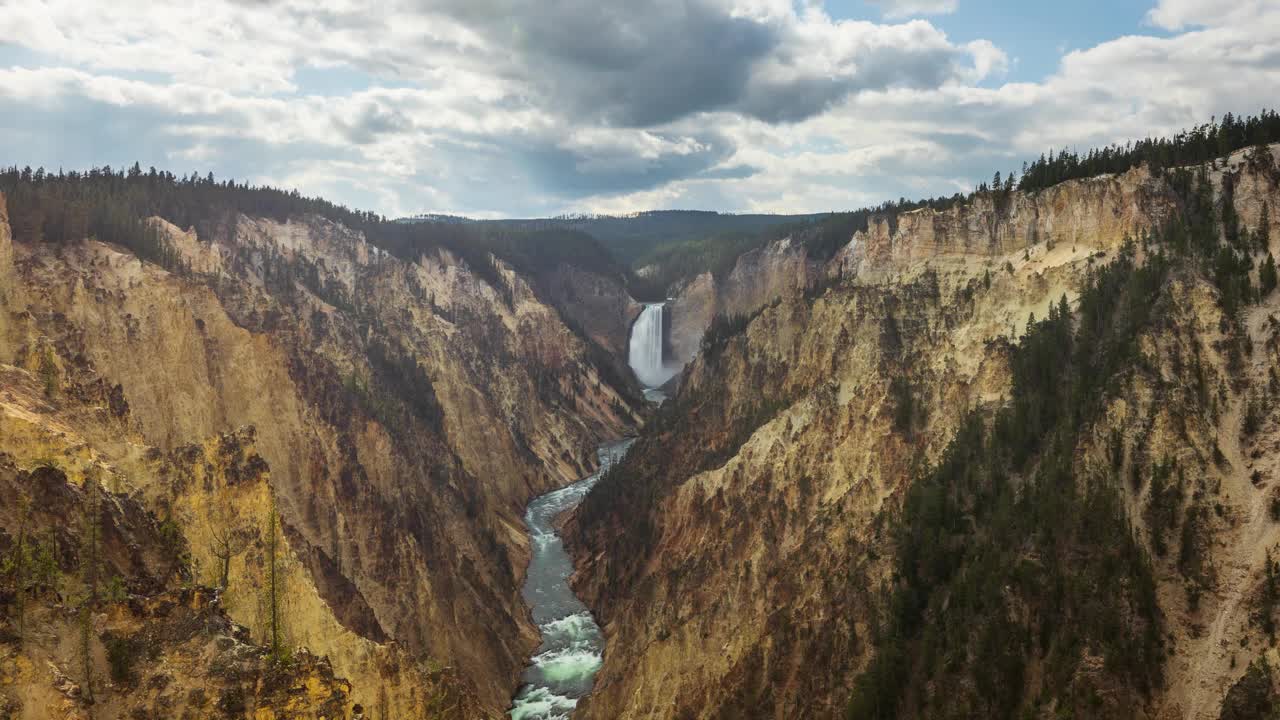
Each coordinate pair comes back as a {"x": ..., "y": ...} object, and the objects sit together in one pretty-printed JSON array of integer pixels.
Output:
[
  {"x": 572, "y": 648},
  {"x": 542, "y": 704}
]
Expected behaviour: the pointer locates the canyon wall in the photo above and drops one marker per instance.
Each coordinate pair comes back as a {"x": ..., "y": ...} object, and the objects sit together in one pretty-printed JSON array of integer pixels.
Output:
[
  {"x": 757, "y": 278},
  {"x": 396, "y": 415},
  {"x": 1098, "y": 212},
  {"x": 741, "y": 559},
  {"x": 599, "y": 305}
]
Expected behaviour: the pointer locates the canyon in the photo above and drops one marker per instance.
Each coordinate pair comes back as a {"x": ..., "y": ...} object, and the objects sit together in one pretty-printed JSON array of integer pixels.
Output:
[
  {"x": 317, "y": 476},
  {"x": 396, "y": 416}
]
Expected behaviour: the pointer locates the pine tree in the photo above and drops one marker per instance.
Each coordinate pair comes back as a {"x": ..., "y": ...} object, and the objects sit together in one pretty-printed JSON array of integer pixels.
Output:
[
  {"x": 26, "y": 217},
  {"x": 18, "y": 563},
  {"x": 1267, "y": 278},
  {"x": 1262, "y": 236},
  {"x": 1270, "y": 596}
]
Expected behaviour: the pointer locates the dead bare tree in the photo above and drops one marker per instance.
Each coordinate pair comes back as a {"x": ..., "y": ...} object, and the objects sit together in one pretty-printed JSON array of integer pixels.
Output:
[{"x": 229, "y": 537}]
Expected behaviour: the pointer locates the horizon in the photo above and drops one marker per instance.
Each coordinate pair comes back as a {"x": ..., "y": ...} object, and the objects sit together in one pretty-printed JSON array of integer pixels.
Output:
[
  {"x": 889, "y": 204},
  {"x": 581, "y": 215},
  {"x": 733, "y": 106}
]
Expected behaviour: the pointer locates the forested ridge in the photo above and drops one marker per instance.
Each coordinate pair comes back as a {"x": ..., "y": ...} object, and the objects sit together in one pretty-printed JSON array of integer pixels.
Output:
[
  {"x": 115, "y": 205},
  {"x": 1190, "y": 147},
  {"x": 1006, "y": 558},
  {"x": 112, "y": 205}
]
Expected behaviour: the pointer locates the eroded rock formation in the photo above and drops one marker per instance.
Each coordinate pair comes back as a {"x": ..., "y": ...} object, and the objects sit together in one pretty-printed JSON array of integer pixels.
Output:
[
  {"x": 740, "y": 561},
  {"x": 397, "y": 415}
]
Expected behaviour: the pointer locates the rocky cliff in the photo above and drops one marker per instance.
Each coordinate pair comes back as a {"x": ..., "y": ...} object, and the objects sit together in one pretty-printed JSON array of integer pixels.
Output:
[
  {"x": 395, "y": 415},
  {"x": 599, "y": 305},
  {"x": 742, "y": 560},
  {"x": 1098, "y": 212},
  {"x": 757, "y": 278}
]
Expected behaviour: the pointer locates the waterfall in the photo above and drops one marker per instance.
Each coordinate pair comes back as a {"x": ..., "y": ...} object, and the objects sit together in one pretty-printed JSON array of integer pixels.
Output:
[{"x": 645, "y": 355}]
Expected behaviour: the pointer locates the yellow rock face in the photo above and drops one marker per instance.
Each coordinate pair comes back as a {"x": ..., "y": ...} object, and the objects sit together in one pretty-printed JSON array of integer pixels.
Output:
[
  {"x": 752, "y": 585},
  {"x": 398, "y": 415}
]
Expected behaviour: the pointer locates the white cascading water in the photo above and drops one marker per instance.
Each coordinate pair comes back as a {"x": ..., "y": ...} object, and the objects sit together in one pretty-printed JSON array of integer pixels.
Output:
[
  {"x": 645, "y": 356},
  {"x": 572, "y": 648}
]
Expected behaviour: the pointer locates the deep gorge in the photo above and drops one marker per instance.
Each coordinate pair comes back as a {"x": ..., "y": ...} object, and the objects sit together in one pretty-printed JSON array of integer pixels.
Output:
[{"x": 432, "y": 474}]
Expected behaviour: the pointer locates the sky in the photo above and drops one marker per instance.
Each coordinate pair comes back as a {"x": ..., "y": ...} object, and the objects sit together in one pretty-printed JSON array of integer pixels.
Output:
[{"x": 492, "y": 108}]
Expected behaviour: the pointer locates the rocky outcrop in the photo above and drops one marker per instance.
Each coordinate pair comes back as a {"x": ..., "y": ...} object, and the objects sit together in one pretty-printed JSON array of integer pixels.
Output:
[
  {"x": 1099, "y": 211},
  {"x": 174, "y": 655},
  {"x": 692, "y": 310},
  {"x": 599, "y": 305},
  {"x": 150, "y": 651},
  {"x": 758, "y": 277}
]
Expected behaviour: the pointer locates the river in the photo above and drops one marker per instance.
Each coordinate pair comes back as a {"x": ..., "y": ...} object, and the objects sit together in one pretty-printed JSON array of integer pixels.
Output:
[{"x": 572, "y": 646}]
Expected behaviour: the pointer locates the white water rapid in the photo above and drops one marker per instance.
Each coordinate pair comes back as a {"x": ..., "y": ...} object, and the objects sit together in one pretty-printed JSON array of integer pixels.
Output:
[{"x": 572, "y": 647}]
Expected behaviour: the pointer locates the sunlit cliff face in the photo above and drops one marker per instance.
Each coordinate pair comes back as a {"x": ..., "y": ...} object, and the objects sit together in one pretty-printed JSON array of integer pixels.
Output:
[
  {"x": 761, "y": 552},
  {"x": 373, "y": 495}
]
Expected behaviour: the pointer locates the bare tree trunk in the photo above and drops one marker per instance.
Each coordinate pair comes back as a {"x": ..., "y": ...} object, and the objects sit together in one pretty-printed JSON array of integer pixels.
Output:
[{"x": 230, "y": 538}]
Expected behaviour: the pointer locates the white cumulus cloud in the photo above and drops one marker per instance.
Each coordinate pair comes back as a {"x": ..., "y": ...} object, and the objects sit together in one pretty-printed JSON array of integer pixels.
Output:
[{"x": 501, "y": 106}]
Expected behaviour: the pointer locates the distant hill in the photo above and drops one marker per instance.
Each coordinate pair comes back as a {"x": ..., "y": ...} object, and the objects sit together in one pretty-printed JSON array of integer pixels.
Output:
[{"x": 631, "y": 237}]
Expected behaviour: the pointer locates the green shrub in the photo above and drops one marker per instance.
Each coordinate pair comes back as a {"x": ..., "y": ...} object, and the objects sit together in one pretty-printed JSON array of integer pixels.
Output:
[{"x": 122, "y": 657}]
